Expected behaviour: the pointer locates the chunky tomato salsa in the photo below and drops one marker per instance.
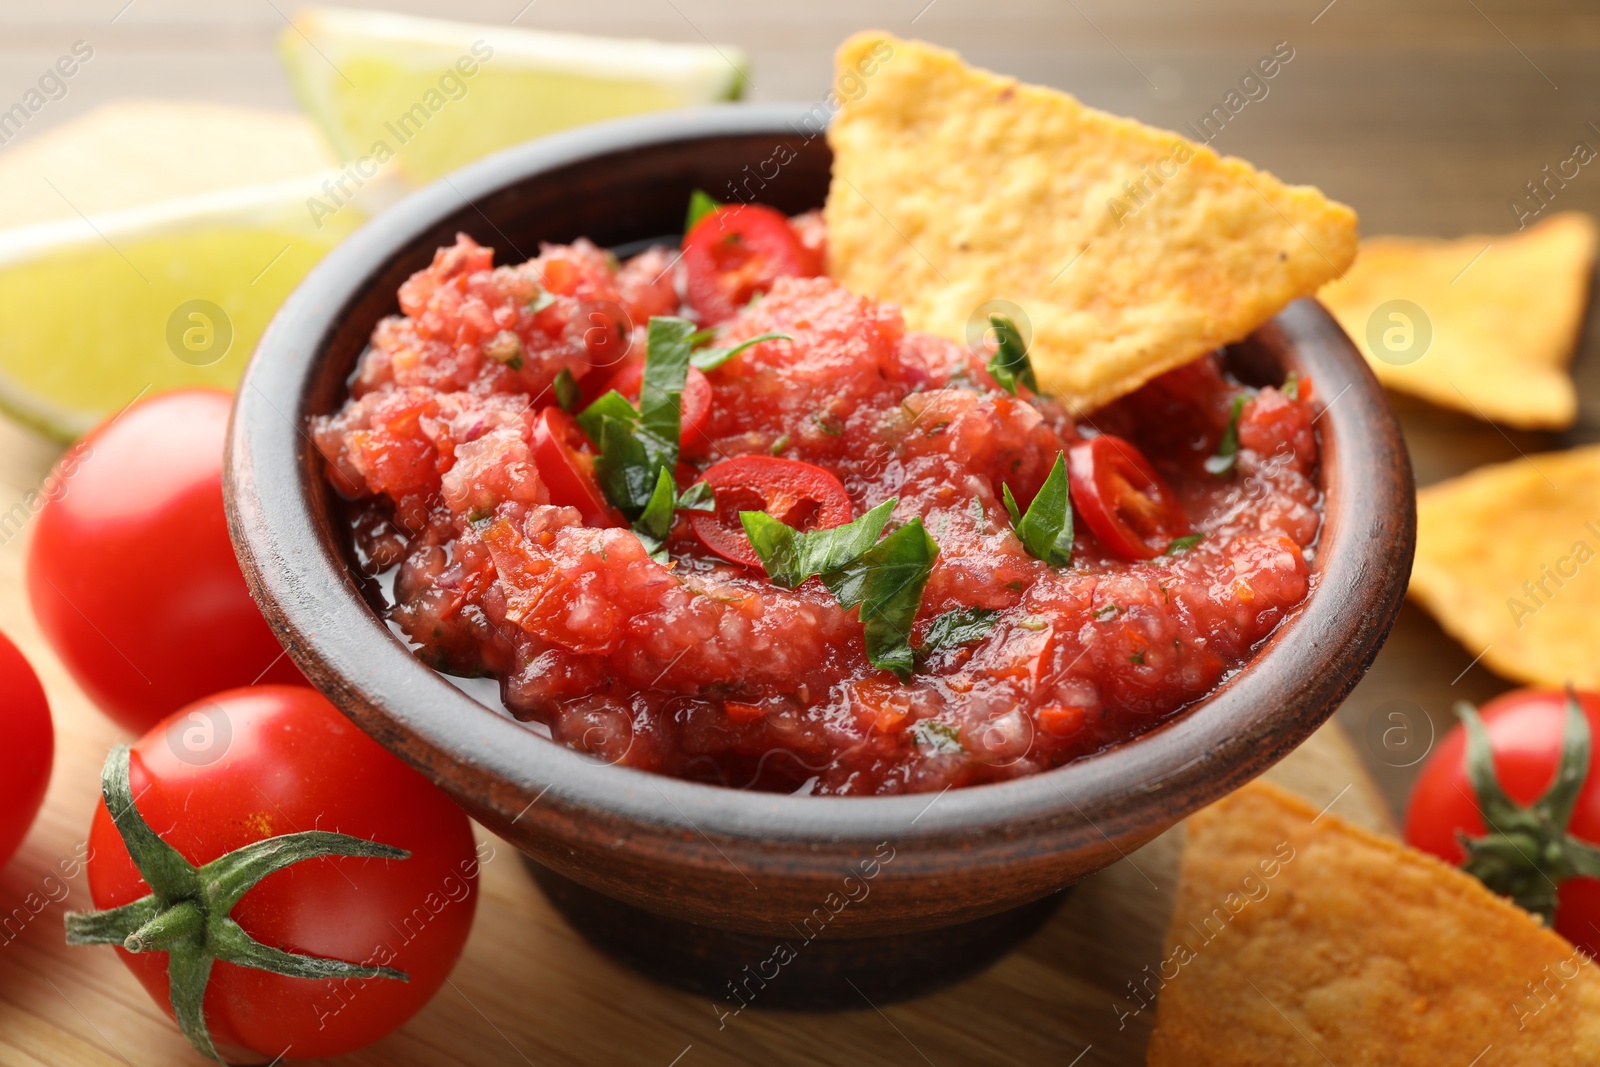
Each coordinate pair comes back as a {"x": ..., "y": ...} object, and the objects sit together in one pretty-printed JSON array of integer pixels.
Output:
[{"x": 709, "y": 514}]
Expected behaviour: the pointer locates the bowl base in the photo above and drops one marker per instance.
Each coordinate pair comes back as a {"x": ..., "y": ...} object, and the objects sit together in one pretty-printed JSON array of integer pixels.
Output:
[{"x": 739, "y": 970}]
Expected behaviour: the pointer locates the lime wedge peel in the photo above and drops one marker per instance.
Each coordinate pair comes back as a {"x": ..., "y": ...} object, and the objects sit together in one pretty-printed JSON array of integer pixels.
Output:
[
  {"x": 441, "y": 94},
  {"x": 98, "y": 310},
  {"x": 279, "y": 204}
]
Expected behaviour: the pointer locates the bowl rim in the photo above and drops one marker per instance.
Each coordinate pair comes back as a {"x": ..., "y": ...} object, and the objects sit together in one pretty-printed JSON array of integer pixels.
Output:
[{"x": 1289, "y": 687}]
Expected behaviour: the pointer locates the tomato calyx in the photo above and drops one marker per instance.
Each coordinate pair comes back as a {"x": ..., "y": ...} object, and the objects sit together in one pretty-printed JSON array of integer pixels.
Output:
[
  {"x": 1529, "y": 851},
  {"x": 186, "y": 914}
]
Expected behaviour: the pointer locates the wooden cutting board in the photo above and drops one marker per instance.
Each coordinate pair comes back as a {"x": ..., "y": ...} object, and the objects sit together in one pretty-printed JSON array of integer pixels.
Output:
[{"x": 530, "y": 991}]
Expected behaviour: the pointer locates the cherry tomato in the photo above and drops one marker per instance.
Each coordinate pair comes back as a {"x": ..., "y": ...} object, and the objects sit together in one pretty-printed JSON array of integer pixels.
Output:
[
  {"x": 28, "y": 739},
  {"x": 812, "y": 232},
  {"x": 736, "y": 252},
  {"x": 1122, "y": 499},
  {"x": 696, "y": 410},
  {"x": 801, "y": 494},
  {"x": 131, "y": 573},
  {"x": 567, "y": 467},
  {"x": 1525, "y": 729},
  {"x": 256, "y": 763}
]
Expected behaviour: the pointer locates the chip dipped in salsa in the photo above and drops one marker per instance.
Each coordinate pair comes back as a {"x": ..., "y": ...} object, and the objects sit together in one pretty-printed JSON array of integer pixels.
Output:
[{"x": 717, "y": 517}]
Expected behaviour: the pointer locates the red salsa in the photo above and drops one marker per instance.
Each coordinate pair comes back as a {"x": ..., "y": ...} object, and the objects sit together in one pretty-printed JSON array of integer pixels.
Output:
[{"x": 1036, "y": 637}]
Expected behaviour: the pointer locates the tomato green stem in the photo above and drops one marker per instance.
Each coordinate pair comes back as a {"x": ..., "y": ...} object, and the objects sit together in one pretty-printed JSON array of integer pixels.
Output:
[
  {"x": 1528, "y": 851},
  {"x": 181, "y": 922},
  {"x": 186, "y": 914}
]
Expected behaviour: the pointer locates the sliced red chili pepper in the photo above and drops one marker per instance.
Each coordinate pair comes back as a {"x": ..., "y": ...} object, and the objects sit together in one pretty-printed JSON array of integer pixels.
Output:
[
  {"x": 735, "y": 252},
  {"x": 1122, "y": 499},
  {"x": 802, "y": 495},
  {"x": 696, "y": 410},
  {"x": 567, "y": 467}
]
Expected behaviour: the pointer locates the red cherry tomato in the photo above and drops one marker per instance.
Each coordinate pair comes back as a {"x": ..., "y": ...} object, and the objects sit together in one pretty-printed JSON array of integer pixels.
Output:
[
  {"x": 801, "y": 494},
  {"x": 28, "y": 739},
  {"x": 567, "y": 467},
  {"x": 735, "y": 252},
  {"x": 812, "y": 233},
  {"x": 1525, "y": 730},
  {"x": 131, "y": 573},
  {"x": 696, "y": 410},
  {"x": 272, "y": 760},
  {"x": 1122, "y": 499}
]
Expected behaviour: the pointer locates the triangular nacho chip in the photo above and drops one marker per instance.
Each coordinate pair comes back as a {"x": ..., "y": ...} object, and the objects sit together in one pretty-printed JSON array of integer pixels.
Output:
[
  {"x": 1508, "y": 561},
  {"x": 1300, "y": 940},
  {"x": 1502, "y": 317},
  {"x": 1130, "y": 250}
]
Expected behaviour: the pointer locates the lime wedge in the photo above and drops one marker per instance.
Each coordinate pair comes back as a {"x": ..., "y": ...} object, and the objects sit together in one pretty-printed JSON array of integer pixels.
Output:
[
  {"x": 426, "y": 96},
  {"x": 117, "y": 295}
]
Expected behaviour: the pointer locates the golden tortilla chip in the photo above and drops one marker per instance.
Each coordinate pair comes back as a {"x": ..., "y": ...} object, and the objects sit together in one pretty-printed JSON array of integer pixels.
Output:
[
  {"x": 1508, "y": 561},
  {"x": 1303, "y": 941},
  {"x": 1499, "y": 317},
  {"x": 1130, "y": 250}
]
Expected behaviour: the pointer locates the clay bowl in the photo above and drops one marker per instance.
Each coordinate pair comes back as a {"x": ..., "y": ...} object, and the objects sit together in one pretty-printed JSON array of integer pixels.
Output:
[{"x": 699, "y": 884}]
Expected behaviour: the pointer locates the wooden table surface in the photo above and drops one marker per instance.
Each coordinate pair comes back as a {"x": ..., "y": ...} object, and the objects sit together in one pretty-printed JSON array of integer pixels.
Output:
[{"x": 1427, "y": 117}]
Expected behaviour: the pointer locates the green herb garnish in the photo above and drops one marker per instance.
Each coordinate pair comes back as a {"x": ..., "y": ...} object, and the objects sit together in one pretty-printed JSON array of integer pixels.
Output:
[
  {"x": 698, "y": 497},
  {"x": 961, "y": 626},
  {"x": 655, "y": 522},
  {"x": 1010, "y": 364},
  {"x": 791, "y": 557},
  {"x": 637, "y": 442},
  {"x": 639, "y": 445},
  {"x": 886, "y": 583},
  {"x": 543, "y": 300},
  {"x": 712, "y": 358},
  {"x": 666, "y": 367},
  {"x": 1184, "y": 544},
  {"x": 701, "y": 204},
  {"x": 939, "y": 736},
  {"x": 884, "y": 578},
  {"x": 1137, "y": 658},
  {"x": 565, "y": 388},
  {"x": 1046, "y": 529},
  {"x": 1291, "y": 386},
  {"x": 1228, "y": 448}
]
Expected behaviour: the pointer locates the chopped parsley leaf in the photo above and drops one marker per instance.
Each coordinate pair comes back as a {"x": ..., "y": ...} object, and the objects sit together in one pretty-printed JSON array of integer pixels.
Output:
[
  {"x": 961, "y": 626},
  {"x": 565, "y": 389},
  {"x": 1185, "y": 543},
  {"x": 1227, "y": 455},
  {"x": 1010, "y": 364},
  {"x": 701, "y": 204},
  {"x": 1046, "y": 529}
]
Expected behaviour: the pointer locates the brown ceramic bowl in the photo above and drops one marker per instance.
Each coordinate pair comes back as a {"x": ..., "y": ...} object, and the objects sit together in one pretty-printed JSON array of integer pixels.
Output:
[{"x": 694, "y": 881}]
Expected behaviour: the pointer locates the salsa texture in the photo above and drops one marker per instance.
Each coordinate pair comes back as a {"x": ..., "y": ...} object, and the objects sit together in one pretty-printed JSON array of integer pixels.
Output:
[{"x": 1195, "y": 513}]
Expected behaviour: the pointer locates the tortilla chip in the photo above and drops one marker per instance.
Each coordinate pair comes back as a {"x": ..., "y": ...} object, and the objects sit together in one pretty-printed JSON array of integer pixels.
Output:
[
  {"x": 1130, "y": 249},
  {"x": 1508, "y": 561},
  {"x": 1304, "y": 940},
  {"x": 1505, "y": 312}
]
